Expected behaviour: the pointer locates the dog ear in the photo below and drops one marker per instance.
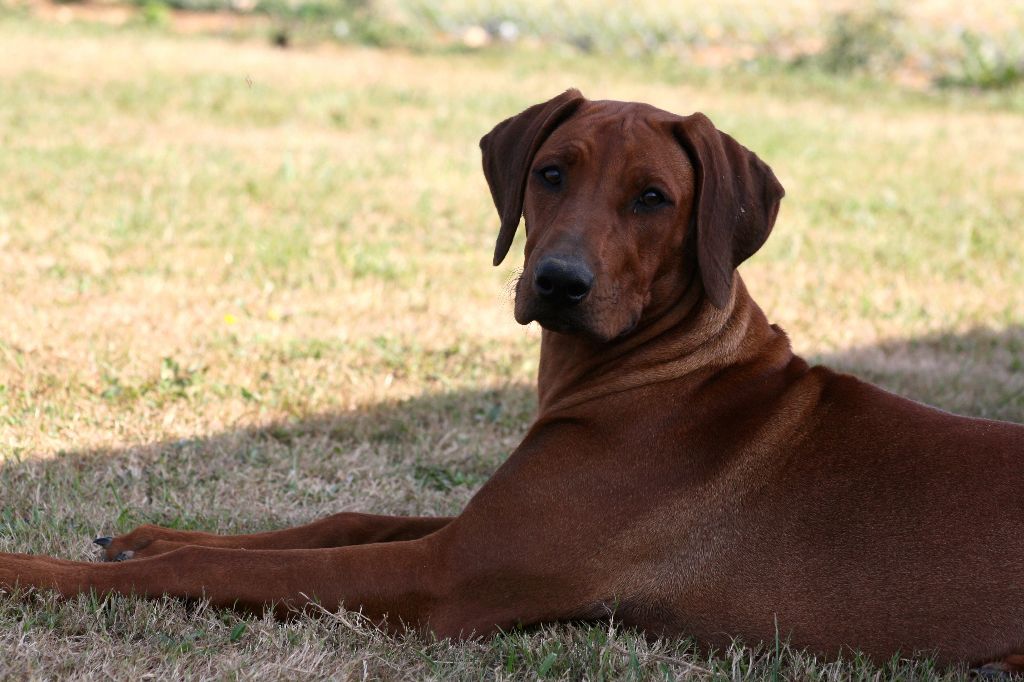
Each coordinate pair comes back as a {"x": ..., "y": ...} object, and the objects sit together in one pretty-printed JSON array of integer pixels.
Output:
[
  {"x": 508, "y": 151},
  {"x": 735, "y": 203}
]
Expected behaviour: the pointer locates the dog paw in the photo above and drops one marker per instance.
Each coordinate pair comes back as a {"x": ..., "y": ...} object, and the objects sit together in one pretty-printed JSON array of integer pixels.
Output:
[{"x": 143, "y": 541}]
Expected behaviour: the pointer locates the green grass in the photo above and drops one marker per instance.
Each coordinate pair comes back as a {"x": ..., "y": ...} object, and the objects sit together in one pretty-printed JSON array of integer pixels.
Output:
[{"x": 244, "y": 288}]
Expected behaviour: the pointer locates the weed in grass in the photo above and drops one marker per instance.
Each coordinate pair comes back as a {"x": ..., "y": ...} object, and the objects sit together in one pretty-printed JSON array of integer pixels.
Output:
[
  {"x": 154, "y": 13},
  {"x": 444, "y": 478},
  {"x": 984, "y": 64},
  {"x": 863, "y": 41}
]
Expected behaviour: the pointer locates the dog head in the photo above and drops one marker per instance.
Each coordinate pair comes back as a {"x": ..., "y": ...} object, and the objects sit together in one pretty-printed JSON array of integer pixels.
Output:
[{"x": 622, "y": 201}]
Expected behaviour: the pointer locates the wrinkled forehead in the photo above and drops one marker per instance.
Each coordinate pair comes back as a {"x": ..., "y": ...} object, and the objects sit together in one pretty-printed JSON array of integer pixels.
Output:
[{"x": 606, "y": 131}]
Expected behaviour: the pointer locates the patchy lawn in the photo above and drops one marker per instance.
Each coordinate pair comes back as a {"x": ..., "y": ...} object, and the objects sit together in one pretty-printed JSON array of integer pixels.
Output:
[{"x": 244, "y": 288}]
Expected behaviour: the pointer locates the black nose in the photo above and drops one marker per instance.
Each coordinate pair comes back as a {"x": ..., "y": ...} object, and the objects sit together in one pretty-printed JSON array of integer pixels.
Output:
[{"x": 562, "y": 281}]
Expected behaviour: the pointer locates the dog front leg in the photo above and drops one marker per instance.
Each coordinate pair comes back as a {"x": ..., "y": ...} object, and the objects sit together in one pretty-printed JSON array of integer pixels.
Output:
[
  {"x": 337, "y": 530},
  {"x": 400, "y": 582}
]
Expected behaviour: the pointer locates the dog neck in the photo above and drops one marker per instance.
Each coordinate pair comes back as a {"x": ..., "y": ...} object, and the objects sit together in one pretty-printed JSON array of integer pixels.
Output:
[{"x": 688, "y": 339}]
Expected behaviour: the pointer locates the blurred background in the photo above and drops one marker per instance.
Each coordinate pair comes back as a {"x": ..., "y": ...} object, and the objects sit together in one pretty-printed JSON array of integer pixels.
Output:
[
  {"x": 930, "y": 43},
  {"x": 245, "y": 272}
]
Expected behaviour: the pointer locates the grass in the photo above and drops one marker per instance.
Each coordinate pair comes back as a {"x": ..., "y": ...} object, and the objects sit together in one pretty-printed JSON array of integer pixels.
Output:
[{"x": 245, "y": 288}]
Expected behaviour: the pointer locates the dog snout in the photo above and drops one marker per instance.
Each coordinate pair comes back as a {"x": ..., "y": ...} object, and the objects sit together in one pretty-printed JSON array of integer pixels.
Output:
[{"x": 562, "y": 282}]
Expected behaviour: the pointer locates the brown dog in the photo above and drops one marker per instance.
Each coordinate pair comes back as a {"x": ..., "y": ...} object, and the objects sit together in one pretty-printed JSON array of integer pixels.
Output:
[{"x": 685, "y": 470}]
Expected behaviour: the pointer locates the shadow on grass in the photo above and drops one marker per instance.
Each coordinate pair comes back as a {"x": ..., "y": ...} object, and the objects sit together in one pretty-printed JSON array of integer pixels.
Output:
[
  {"x": 425, "y": 455},
  {"x": 978, "y": 373}
]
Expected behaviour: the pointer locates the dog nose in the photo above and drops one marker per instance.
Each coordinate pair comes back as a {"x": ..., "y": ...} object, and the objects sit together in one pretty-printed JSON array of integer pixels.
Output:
[{"x": 562, "y": 282}]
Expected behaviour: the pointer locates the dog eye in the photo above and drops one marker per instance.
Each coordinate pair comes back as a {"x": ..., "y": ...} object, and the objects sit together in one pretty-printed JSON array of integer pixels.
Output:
[
  {"x": 651, "y": 198},
  {"x": 552, "y": 176}
]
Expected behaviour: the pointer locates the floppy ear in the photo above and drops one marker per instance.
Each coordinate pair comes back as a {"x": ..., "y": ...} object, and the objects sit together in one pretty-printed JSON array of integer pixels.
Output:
[
  {"x": 508, "y": 152},
  {"x": 735, "y": 204}
]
